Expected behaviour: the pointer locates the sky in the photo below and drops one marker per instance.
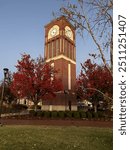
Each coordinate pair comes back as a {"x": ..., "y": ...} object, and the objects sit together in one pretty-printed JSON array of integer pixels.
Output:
[{"x": 22, "y": 31}]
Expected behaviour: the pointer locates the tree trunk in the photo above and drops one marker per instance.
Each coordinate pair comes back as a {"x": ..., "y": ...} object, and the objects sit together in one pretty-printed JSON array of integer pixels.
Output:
[
  {"x": 35, "y": 107},
  {"x": 9, "y": 106},
  {"x": 35, "y": 102}
]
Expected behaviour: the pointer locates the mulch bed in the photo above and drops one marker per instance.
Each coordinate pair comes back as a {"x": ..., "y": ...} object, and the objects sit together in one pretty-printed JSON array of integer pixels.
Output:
[{"x": 58, "y": 122}]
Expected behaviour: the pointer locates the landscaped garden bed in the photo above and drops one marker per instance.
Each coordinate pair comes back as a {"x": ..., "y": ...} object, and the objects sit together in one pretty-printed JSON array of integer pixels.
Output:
[{"x": 64, "y": 115}]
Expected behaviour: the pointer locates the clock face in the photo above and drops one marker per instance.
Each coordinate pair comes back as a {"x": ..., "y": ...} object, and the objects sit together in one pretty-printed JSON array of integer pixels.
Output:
[
  {"x": 54, "y": 31},
  {"x": 68, "y": 32}
]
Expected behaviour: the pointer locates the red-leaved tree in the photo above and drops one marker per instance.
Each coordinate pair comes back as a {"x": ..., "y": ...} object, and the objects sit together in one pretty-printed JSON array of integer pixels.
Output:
[
  {"x": 35, "y": 80},
  {"x": 95, "y": 83}
]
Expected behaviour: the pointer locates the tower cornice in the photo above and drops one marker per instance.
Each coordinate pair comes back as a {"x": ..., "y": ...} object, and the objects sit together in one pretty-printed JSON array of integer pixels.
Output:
[{"x": 60, "y": 57}]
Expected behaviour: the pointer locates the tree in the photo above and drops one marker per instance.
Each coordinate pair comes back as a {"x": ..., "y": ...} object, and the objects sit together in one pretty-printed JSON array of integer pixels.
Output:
[
  {"x": 95, "y": 17},
  {"x": 35, "y": 80},
  {"x": 95, "y": 83}
]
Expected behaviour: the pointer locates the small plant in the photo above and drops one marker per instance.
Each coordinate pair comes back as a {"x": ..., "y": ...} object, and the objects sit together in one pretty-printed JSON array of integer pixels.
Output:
[
  {"x": 95, "y": 115},
  {"x": 40, "y": 113},
  {"x": 82, "y": 114},
  {"x": 33, "y": 113},
  {"x": 76, "y": 114},
  {"x": 89, "y": 115},
  {"x": 54, "y": 114},
  {"x": 47, "y": 114},
  {"x": 100, "y": 114},
  {"x": 61, "y": 114},
  {"x": 68, "y": 114},
  {"x": 18, "y": 107}
]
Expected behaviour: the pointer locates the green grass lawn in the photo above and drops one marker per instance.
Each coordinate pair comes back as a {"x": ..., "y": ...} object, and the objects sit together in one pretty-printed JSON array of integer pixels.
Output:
[{"x": 55, "y": 138}]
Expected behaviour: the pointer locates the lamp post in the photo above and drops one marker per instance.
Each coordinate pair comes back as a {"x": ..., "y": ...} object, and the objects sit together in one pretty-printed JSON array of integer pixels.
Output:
[
  {"x": 6, "y": 70},
  {"x": 67, "y": 101},
  {"x": 65, "y": 92}
]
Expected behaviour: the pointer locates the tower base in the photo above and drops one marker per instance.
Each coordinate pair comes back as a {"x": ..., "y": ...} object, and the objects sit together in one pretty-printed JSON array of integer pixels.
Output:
[{"x": 62, "y": 102}]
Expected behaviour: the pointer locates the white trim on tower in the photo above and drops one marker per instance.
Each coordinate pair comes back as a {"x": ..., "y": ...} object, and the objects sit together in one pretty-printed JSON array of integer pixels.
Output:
[
  {"x": 59, "y": 57},
  {"x": 69, "y": 76}
]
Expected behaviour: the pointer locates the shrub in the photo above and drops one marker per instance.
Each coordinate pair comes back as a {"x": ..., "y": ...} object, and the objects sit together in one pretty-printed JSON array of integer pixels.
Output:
[
  {"x": 18, "y": 107},
  {"x": 47, "y": 114},
  {"x": 33, "y": 113},
  {"x": 82, "y": 114},
  {"x": 100, "y": 114},
  {"x": 54, "y": 114},
  {"x": 108, "y": 115},
  {"x": 5, "y": 109},
  {"x": 95, "y": 115},
  {"x": 40, "y": 113},
  {"x": 68, "y": 114},
  {"x": 61, "y": 114},
  {"x": 89, "y": 115},
  {"x": 76, "y": 114}
]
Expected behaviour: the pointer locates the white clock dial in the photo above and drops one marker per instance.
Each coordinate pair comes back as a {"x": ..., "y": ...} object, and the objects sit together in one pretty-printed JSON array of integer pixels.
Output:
[
  {"x": 53, "y": 31},
  {"x": 68, "y": 32}
]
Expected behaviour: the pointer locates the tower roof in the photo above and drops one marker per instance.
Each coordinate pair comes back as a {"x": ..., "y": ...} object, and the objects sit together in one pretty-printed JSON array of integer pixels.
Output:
[{"x": 58, "y": 19}]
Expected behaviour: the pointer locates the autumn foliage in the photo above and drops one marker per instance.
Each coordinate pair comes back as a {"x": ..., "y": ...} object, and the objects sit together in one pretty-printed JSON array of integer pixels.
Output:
[
  {"x": 35, "y": 80},
  {"x": 94, "y": 82}
]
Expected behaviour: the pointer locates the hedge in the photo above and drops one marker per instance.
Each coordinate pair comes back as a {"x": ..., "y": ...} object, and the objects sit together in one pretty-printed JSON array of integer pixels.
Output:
[
  {"x": 61, "y": 114},
  {"x": 33, "y": 113},
  {"x": 14, "y": 108},
  {"x": 89, "y": 115},
  {"x": 68, "y": 114},
  {"x": 83, "y": 114},
  {"x": 40, "y": 113},
  {"x": 94, "y": 115},
  {"x": 76, "y": 114},
  {"x": 54, "y": 114},
  {"x": 47, "y": 114}
]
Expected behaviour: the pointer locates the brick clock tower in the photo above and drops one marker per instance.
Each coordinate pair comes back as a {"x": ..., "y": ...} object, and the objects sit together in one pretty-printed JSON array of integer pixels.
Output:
[{"x": 60, "y": 52}]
